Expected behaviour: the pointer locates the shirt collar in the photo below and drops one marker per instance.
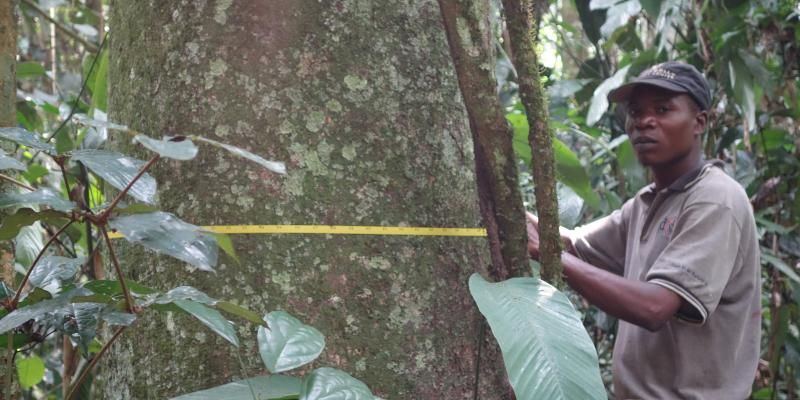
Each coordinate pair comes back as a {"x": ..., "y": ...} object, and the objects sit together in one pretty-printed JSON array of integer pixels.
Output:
[{"x": 687, "y": 180}]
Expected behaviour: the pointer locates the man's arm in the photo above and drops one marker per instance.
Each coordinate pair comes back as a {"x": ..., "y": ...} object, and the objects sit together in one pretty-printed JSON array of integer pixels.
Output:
[{"x": 641, "y": 303}]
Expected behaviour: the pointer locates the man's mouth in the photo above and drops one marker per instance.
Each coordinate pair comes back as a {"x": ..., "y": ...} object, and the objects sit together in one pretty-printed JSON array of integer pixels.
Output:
[{"x": 643, "y": 140}]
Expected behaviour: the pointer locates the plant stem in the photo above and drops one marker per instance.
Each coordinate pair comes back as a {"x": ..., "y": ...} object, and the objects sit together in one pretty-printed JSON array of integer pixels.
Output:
[
  {"x": 16, "y": 182},
  {"x": 38, "y": 256},
  {"x": 69, "y": 32},
  {"x": 128, "y": 299},
  {"x": 107, "y": 212},
  {"x": 93, "y": 362},
  {"x": 64, "y": 175}
]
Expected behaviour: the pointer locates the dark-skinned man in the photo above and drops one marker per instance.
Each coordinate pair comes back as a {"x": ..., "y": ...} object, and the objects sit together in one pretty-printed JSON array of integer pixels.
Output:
[{"x": 678, "y": 263}]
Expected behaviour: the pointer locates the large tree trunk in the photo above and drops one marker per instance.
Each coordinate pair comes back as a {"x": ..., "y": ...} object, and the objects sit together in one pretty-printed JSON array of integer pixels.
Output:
[{"x": 362, "y": 103}]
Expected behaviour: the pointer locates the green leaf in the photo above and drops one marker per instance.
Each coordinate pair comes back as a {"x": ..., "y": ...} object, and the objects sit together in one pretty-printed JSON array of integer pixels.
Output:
[
  {"x": 554, "y": 359},
  {"x": 185, "y": 293},
  {"x": 618, "y": 15},
  {"x": 30, "y": 371},
  {"x": 520, "y": 142},
  {"x": 7, "y": 162},
  {"x": 165, "y": 233},
  {"x": 27, "y": 244},
  {"x": 30, "y": 69},
  {"x": 273, "y": 387},
  {"x": 566, "y": 88},
  {"x": 43, "y": 197},
  {"x": 571, "y": 173},
  {"x": 333, "y": 384},
  {"x": 274, "y": 166},
  {"x": 39, "y": 310},
  {"x": 776, "y": 262},
  {"x": 25, "y": 138},
  {"x": 100, "y": 87},
  {"x": 12, "y": 224},
  {"x": 85, "y": 120},
  {"x": 238, "y": 310},
  {"x": 119, "y": 170},
  {"x": 224, "y": 242},
  {"x": 211, "y": 318},
  {"x": 179, "y": 148},
  {"x": 286, "y": 343},
  {"x": 34, "y": 172},
  {"x": 55, "y": 268},
  {"x": 113, "y": 287},
  {"x": 64, "y": 142},
  {"x": 600, "y": 97},
  {"x": 651, "y": 7},
  {"x": 17, "y": 340}
]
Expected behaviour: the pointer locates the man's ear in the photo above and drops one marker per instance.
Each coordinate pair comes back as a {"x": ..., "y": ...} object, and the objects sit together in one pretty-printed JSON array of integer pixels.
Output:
[{"x": 701, "y": 122}]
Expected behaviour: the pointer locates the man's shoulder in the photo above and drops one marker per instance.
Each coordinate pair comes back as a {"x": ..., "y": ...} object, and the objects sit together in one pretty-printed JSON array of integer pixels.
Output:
[{"x": 716, "y": 186}]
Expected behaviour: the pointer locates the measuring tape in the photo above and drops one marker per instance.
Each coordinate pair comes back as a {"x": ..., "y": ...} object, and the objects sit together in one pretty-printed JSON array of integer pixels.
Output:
[{"x": 338, "y": 230}]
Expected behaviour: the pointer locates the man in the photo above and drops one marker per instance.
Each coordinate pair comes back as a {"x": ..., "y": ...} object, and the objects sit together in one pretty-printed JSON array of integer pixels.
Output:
[{"x": 678, "y": 263}]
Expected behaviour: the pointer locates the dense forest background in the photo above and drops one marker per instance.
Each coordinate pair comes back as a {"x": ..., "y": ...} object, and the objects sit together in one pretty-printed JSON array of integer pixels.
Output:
[{"x": 65, "y": 53}]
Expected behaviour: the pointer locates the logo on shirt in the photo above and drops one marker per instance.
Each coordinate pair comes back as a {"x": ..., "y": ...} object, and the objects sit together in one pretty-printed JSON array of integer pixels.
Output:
[{"x": 667, "y": 225}]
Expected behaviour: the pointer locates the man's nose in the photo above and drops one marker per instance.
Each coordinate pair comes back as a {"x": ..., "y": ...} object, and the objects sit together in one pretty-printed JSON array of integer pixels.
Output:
[{"x": 643, "y": 120}]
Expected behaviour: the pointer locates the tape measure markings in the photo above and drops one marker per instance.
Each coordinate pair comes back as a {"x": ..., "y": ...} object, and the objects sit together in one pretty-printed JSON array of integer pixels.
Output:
[{"x": 339, "y": 229}]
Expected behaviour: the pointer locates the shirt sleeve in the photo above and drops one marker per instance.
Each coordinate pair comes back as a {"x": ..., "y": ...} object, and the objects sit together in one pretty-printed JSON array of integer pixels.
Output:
[
  {"x": 699, "y": 259},
  {"x": 602, "y": 242}
]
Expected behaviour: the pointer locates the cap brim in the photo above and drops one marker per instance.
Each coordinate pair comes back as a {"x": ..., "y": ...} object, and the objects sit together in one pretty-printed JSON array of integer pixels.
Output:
[{"x": 623, "y": 93}]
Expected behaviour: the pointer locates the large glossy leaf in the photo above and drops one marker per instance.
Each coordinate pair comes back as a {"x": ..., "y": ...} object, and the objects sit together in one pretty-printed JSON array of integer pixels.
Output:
[
  {"x": 30, "y": 69},
  {"x": 210, "y": 318},
  {"x": 119, "y": 170},
  {"x": 30, "y": 371},
  {"x": 55, "y": 268},
  {"x": 25, "y": 138},
  {"x": 237, "y": 310},
  {"x": 618, "y": 15},
  {"x": 599, "y": 98},
  {"x": 165, "y": 233},
  {"x": 27, "y": 244},
  {"x": 39, "y": 310},
  {"x": 275, "y": 387},
  {"x": 12, "y": 224},
  {"x": 554, "y": 359},
  {"x": 333, "y": 384},
  {"x": 7, "y": 162},
  {"x": 113, "y": 288},
  {"x": 185, "y": 293},
  {"x": 178, "y": 149},
  {"x": 286, "y": 343},
  {"x": 43, "y": 197},
  {"x": 273, "y": 166}
]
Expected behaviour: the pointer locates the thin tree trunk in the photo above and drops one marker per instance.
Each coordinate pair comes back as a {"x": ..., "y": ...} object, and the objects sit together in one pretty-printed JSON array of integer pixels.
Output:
[
  {"x": 361, "y": 103},
  {"x": 470, "y": 40},
  {"x": 521, "y": 26}
]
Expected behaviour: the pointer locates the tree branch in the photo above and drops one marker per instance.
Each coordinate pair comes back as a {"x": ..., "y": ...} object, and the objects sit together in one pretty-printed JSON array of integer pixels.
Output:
[
  {"x": 120, "y": 195},
  {"x": 69, "y": 32},
  {"x": 16, "y": 182},
  {"x": 519, "y": 18},
  {"x": 128, "y": 300}
]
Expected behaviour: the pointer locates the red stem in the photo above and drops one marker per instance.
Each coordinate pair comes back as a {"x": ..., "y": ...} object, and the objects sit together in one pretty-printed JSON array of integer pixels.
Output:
[
  {"x": 93, "y": 362},
  {"x": 38, "y": 256},
  {"x": 107, "y": 212},
  {"x": 128, "y": 299}
]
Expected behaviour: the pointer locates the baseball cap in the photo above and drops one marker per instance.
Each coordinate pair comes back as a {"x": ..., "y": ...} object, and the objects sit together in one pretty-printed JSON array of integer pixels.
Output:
[{"x": 673, "y": 76}]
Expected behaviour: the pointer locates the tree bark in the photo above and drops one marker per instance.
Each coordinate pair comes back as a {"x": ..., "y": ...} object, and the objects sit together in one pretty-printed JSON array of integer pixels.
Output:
[
  {"x": 521, "y": 26},
  {"x": 471, "y": 45},
  {"x": 362, "y": 104}
]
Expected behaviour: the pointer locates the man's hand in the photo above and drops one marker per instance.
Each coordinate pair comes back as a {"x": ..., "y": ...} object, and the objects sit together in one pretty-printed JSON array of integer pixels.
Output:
[{"x": 532, "y": 223}]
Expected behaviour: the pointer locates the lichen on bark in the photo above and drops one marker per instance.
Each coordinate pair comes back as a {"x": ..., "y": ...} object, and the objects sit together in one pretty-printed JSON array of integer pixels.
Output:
[{"x": 362, "y": 105}]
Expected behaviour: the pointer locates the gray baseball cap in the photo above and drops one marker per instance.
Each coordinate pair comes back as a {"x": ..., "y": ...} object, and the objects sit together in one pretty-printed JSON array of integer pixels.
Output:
[{"x": 671, "y": 75}]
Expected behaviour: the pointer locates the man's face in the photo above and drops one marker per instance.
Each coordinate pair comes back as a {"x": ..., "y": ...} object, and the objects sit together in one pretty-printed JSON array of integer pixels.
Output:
[{"x": 663, "y": 126}]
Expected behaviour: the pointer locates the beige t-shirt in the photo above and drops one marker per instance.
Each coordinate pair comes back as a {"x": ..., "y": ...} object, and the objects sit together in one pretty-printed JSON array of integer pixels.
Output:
[{"x": 698, "y": 239}]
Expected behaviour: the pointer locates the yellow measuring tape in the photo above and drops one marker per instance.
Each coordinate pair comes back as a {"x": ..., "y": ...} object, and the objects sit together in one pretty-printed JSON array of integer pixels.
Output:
[{"x": 338, "y": 230}]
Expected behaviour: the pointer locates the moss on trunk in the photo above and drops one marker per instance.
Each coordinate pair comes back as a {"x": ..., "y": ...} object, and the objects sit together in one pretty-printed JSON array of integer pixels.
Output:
[{"x": 362, "y": 103}]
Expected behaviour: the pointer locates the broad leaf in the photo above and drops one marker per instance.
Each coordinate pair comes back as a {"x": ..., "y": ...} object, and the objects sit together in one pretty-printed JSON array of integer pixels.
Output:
[
  {"x": 333, "y": 384},
  {"x": 26, "y": 138},
  {"x": 100, "y": 87},
  {"x": 224, "y": 242},
  {"x": 618, "y": 15},
  {"x": 780, "y": 265},
  {"x": 566, "y": 88},
  {"x": 28, "y": 244},
  {"x": 30, "y": 371},
  {"x": 113, "y": 288},
  {"x": 55, "y": 268},
  {"x": 85, "y": 120},
  {"x": 39, "y": 310},
  {"x": 273, "y": 166},
  {"x": 571, "y": 173},
  {"x": 555, "y": 358},
  {"x": 178, "y": 149},
  {"x": 42, "y": 197},
  {"x": 273, "y": 387},
  {"x": 30, "y": 69},
  {"x": 119, "y": 170},
  {"x": 211, "y": 318},
  {"x": 599, "y": 98},
  {"x": 286, "y": 343},
  {"x": 12, "y": 224},
  {"x": 165, "y": 233},
  {"x": 185, "y": 293},
  {"x": 7, "y": 162},
  {"x": 239, "y": 311}
]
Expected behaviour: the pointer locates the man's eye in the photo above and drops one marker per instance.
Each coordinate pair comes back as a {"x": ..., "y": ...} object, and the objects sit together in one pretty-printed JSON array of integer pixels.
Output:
[{"x": 662, "y": 109}]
